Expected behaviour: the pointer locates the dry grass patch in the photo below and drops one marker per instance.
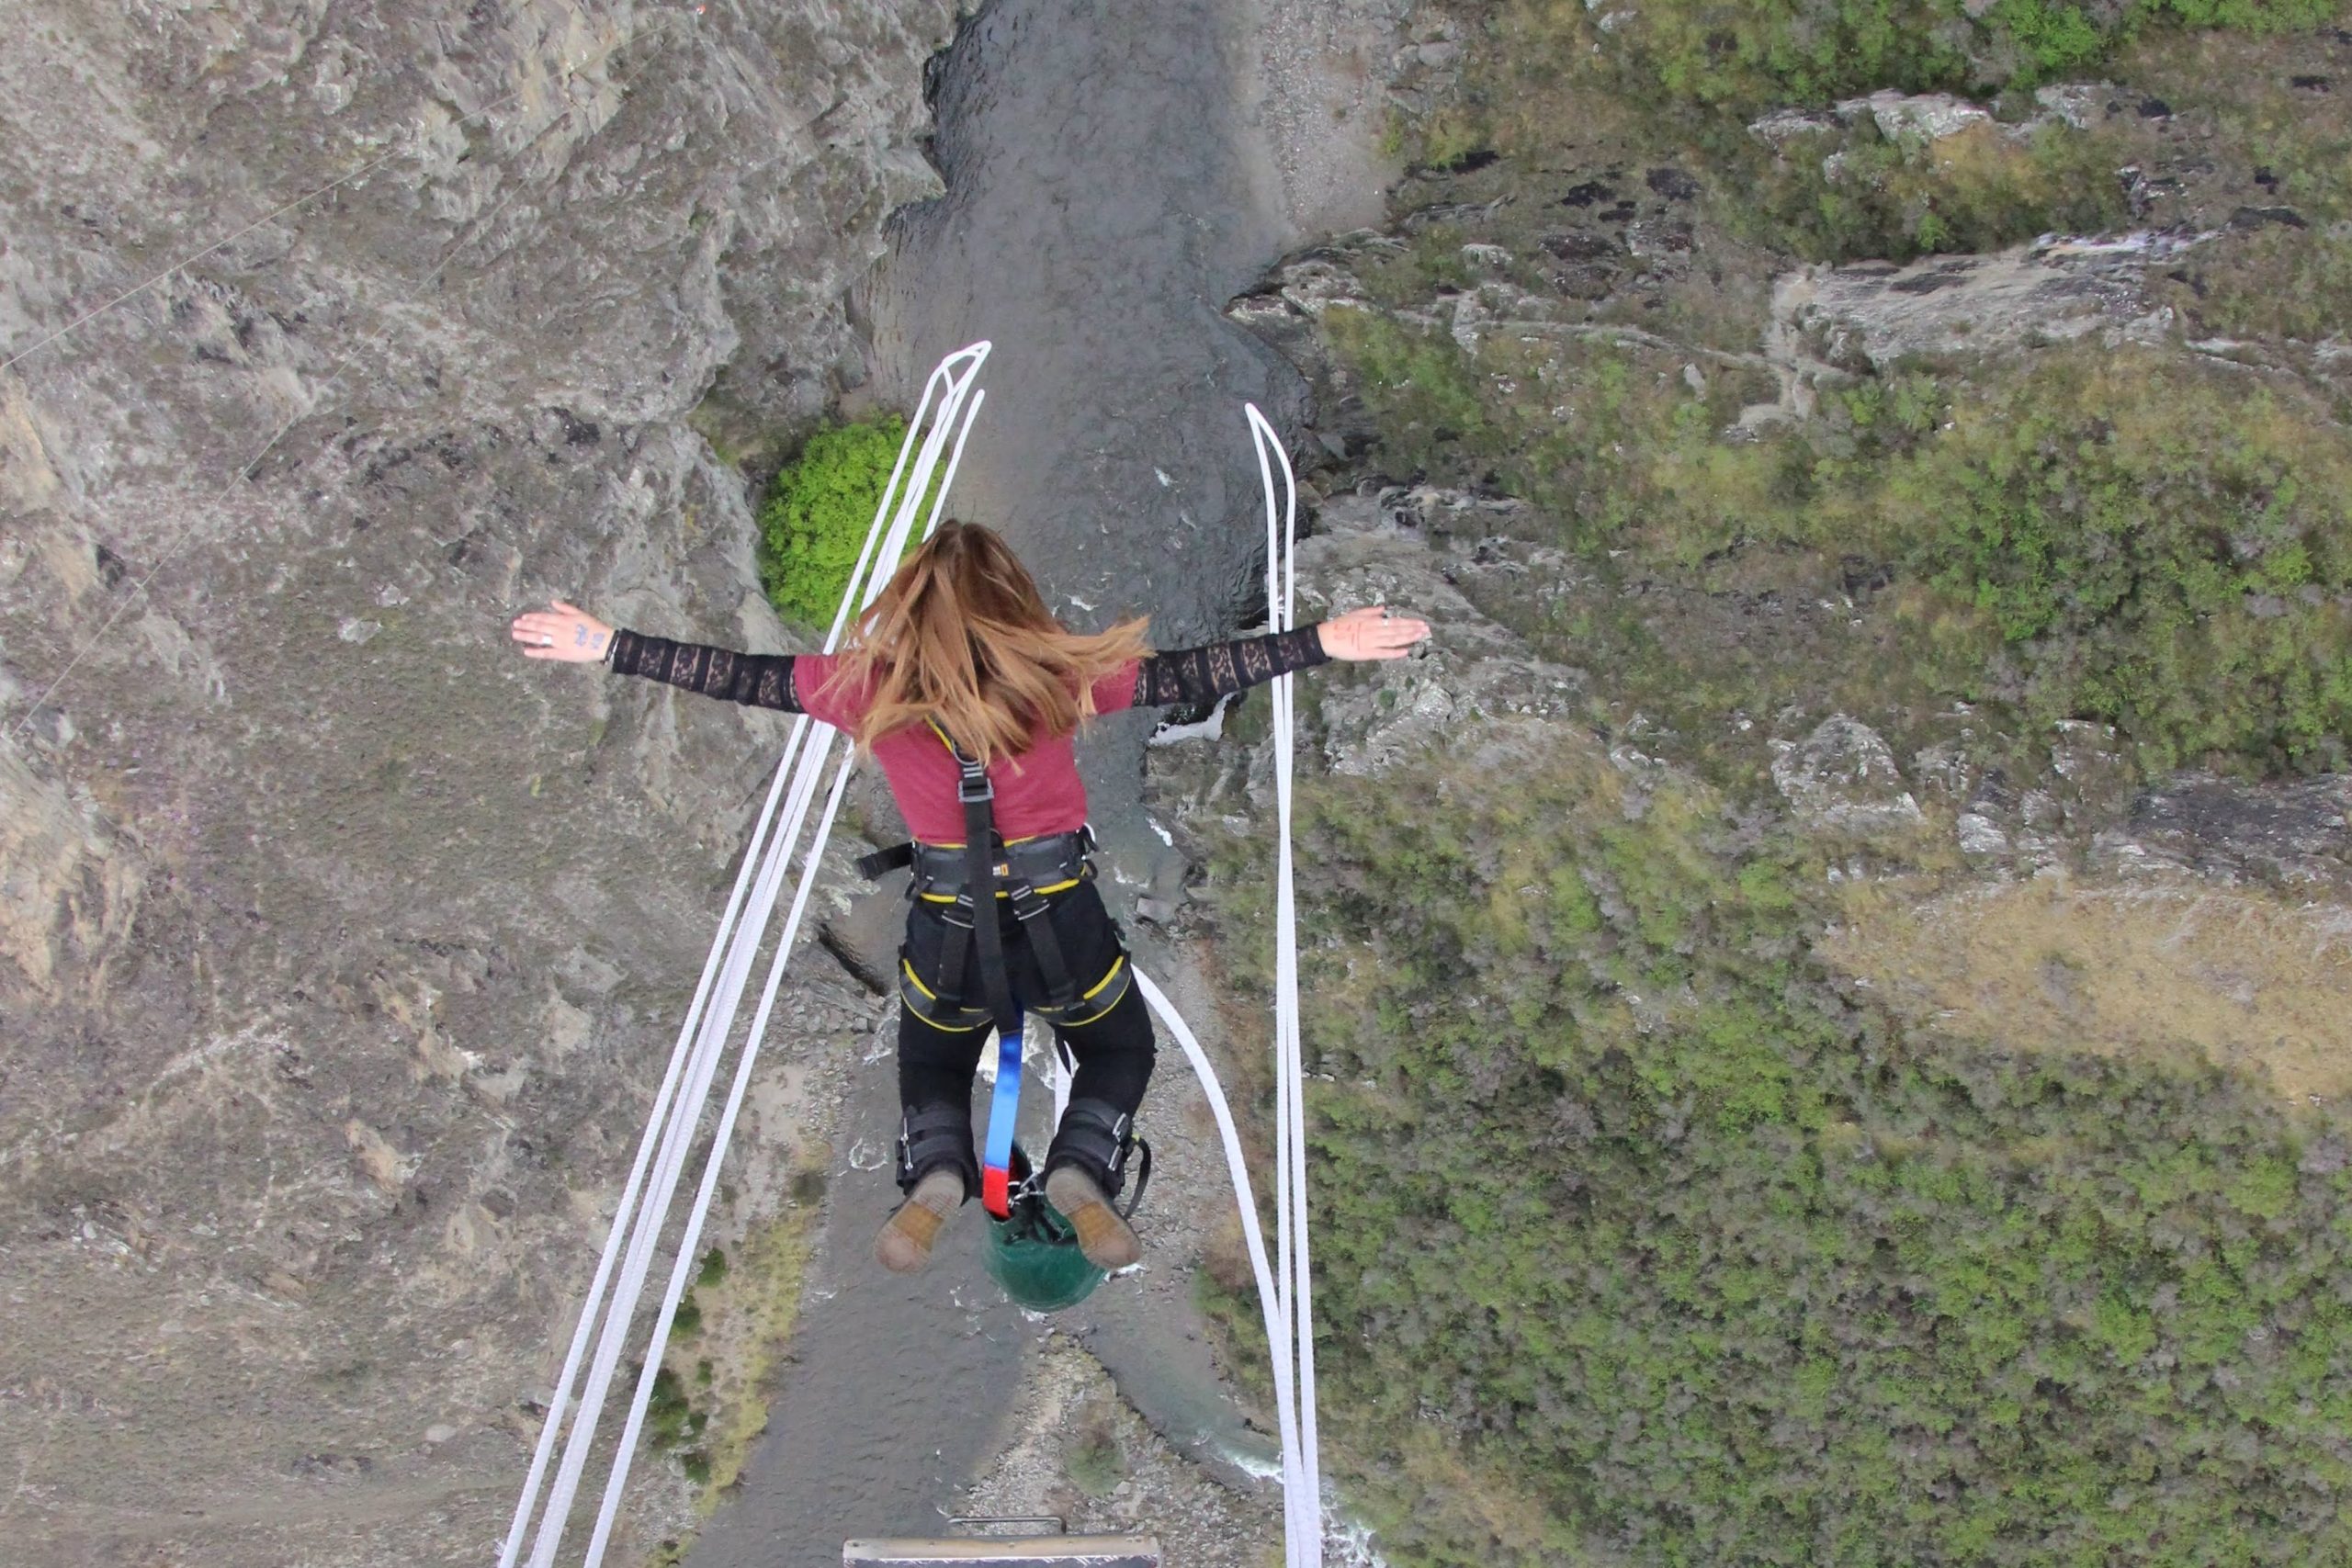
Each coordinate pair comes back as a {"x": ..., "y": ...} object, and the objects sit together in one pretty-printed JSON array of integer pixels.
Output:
[
  {"x": 746, "y": 1307},
  {"x": 750, "y": 1334},
  {"x": 2253, "y": 981}
]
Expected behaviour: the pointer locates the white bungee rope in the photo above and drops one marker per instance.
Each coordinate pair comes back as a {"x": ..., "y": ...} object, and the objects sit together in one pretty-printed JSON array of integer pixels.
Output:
[
  {"x": 636, "y": 1220},
  {"x": 949, "y": 404},
  {"x": 1295, "y": 1358}
]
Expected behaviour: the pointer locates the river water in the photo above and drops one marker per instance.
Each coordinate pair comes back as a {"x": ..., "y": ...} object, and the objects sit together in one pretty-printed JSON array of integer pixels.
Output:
[
  {"x": 1103, "y": 204},
  {"x": 1110, "y": 185}
]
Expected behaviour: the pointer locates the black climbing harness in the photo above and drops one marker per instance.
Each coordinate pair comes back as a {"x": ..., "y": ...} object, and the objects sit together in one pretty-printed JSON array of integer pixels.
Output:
[
  {"x": 973, "y": 876},
  {"x": 969, "y": 881}
]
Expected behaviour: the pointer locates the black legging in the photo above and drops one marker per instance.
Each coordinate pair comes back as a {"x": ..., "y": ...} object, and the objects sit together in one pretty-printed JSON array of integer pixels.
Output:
[
  {"x": 1114, "y": 1052},
  {"x": 1114, "y": 1058}
]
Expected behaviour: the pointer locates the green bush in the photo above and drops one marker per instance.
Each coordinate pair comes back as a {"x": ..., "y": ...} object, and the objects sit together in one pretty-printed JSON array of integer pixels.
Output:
[
  {"x": 1092, "y": 1457},
  {"x": 668, "y": 1415},
  {"x": 2257, "y": 17},
  {"x": 817, "y": 515},
  {"x": 1638, "y": 1243},
  {"x": 1745, "y": 57},
  {"x": 1545, "y": 72}
]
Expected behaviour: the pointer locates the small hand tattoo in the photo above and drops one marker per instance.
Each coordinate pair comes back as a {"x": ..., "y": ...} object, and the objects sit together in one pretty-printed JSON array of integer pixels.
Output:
[
  {"x": 600, "y": 642},
  {"x": 579, "y": 636}
]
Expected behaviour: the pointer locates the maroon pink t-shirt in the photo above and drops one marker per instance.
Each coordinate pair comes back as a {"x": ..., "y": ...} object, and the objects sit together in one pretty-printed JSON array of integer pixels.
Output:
[{"x": 1038, "y": 792}]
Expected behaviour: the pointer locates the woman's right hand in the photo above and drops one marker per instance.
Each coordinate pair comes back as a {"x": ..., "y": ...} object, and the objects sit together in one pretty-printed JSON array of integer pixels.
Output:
[
  {"x": 1371, "y": 633},
  {"x": 563, "y": 632}
]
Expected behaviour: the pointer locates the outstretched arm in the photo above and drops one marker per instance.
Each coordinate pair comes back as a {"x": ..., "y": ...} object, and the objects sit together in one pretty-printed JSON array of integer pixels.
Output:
[
  {"x": 1219, "y": 669},
  {"x": 567, "y": 632}
]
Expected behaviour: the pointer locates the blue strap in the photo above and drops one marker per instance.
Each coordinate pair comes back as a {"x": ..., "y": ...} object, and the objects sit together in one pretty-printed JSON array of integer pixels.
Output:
[{"x": 1005, "y": 1109}]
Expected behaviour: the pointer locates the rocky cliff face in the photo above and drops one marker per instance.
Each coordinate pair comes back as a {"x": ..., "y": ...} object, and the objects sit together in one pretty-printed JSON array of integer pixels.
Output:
[{"x": 339, "y": 949}]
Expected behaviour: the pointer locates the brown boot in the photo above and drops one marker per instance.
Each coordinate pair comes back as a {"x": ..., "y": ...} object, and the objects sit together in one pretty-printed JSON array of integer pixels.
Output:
[
  {"x": 1106, "y": 1239},
  {"x": 904, "y": 1245}
]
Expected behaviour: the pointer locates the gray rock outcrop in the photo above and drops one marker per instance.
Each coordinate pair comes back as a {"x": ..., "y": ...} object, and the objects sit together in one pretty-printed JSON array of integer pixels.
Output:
[
  {"x": 2292, "y": 833},
  {"x": 2053, "y": 290},
  {"x": 1456, "y": 689},
  {"x": 1843, "y": 775}
]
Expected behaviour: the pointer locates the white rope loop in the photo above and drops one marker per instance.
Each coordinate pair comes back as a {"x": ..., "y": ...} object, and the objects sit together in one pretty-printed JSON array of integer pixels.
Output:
[
  {"x": 682, "y": 1269},
  {"x": 1295, "y": 1358},
  {"x": 678, "y": 1104}
]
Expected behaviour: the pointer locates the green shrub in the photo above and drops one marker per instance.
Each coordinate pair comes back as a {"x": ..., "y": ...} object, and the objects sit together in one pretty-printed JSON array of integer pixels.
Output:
[
  {"x": 1427, "y": 391},
  {"x": 1697, "y": 70},
  {"x": 668, "y": 1414},
  {"x": 2164, "y": 546},
  {"x": 2057, "y": 37},
  {"x": 817, "y": 515},
  {"x": 2257, "y": 17},
  {"x": 1092, "y": 1457},
  {"x": 1747, "y": 57}
]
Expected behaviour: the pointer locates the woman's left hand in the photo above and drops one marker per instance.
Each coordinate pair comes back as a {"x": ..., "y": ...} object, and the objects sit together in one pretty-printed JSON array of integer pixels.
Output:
[
  {"x": 1371, "y": 633},
  {"x": 564, "y": 632}
]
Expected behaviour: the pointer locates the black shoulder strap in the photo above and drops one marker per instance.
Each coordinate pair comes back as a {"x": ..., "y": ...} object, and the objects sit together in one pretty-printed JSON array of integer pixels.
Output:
[{"x": 978, "y": 797}]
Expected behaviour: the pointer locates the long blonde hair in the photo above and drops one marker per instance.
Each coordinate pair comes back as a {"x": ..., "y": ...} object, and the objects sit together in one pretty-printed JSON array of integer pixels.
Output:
[{"x": 961, "y": 636}]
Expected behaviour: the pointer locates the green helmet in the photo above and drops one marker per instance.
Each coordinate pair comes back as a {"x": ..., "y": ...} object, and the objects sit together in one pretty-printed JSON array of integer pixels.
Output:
[{"x": 1033, "y": 1256}]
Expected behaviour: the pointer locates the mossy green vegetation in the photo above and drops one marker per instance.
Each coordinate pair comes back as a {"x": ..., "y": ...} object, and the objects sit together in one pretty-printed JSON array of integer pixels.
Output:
[
  {"x": 1686, "y": 77},
  {"x": 1841, "y": 194},
  {"x": 1642, "y": 1241},
  {"x": 2279, "y": 282},
  {"x": 2127, "y": 535},
  {"x": 1702, "y": 59},
  {"x": 1092, "y": 1457},
  {"x": 671, "y": 1422},
  {"x": 818, "y": 512}
]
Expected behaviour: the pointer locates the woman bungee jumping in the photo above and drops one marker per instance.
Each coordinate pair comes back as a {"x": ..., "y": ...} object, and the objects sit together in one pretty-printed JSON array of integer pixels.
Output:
[{"x": 968, "y": 691}]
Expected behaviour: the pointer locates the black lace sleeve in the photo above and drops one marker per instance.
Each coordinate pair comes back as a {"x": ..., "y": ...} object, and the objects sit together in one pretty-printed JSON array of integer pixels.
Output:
[
  {"x": 1205, "y": 674},
  {"x": 757, "y": 680}
]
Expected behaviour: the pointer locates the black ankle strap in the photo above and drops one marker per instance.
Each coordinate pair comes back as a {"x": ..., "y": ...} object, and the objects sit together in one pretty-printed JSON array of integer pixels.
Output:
[
  {"x": 1094, "y": 1135},
  {"x": 935, "y": 1136}
]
